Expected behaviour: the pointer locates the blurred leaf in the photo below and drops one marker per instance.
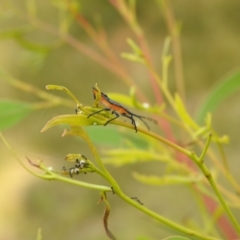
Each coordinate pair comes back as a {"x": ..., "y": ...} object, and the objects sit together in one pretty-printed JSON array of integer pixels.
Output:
[
  {"x": 105, "y": 135},
  {"x": 12, "y": 112},
  {"x": 14, "y": 33},
  {"x": 166, "y": 180},
  {"x": 176, "y": 238},
  {"x": 19, "y": 36},
  {"x": 132, "y": 57},
  {"x": 144, "y": 106},
  {"x": 136, "y": 49},
  {"x": 225, "y": 88},
  {"x": 33, "y": 61},
  {"x": 137, "y": 55},
  {"x": 111, "y": 136},
  {"x": 201, "y": 131},
  {"x": 122, "y": 99},
  {"x": 80, "y": 132},
  {"x": 39, "y": 234},
  {"x": 36, "y": 47},
  {"x": 72, "y": 157},
  {"x": 183, "y": 113},
  {"x": 131, "y": 101},
  {"x": 72, "y": 120},
  {"x": 122, "y": 156}
]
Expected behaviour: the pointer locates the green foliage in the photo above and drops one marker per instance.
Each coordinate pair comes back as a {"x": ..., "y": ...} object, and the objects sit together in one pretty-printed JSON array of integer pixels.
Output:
[
  {"x": 73, "y": 120},
  {"x": 12, "y": 112},
  {"x": 221, "y": 91},
  {"x": 166, "y": 180},
  {"x": 181, "y": 145},
  {"x": 105, "y": 136}
]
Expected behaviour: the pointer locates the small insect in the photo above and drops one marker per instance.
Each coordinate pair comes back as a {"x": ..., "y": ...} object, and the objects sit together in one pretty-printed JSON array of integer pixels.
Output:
[
  {"x": 137, "y": 200},
  {"x": 81, "y": 164},
  {"x": 76, "y": 169},
  {"x": 117, "y": 109},
  {"x": 73, "y": 170}
]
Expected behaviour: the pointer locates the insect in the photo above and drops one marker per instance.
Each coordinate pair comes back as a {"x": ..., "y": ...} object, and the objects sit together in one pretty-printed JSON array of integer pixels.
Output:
[
  {"x": 137, "y": 200},
  {"x": 78, "y": 166},
  {"x": 117, "y": 109}
]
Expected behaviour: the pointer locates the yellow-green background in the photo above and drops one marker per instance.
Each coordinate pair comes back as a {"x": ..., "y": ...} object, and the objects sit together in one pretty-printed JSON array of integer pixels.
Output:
[{"x": 210, "y": 38}]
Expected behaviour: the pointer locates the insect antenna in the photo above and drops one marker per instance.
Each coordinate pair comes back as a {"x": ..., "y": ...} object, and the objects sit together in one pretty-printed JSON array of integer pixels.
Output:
[
  {"x": 146, "y": 118},
  {"x": 150, "y": 119},
  {"x": 144, "y": 122}
]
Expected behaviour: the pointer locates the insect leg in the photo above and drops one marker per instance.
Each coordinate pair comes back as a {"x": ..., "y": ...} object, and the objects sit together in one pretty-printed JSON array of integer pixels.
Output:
[
  {"x": 133, "y": 121},
  {"x": 137, "y": 200},
  {"x": 113, "y": 190},
  {"x": 104, "y": 109},
  {"x": 117, "y": 116}
]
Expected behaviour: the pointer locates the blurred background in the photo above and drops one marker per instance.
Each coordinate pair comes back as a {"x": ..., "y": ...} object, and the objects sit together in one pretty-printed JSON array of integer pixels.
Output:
[{"x": 210, "y": 36}]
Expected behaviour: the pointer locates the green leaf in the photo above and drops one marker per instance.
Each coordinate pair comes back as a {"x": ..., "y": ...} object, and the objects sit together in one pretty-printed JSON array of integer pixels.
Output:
[
  {"x": 224, "y": 89},
  {"x": 131, "y": 101},
  {"x": 72, "y": 120},
  {"x": 12, "y": 112},
  {"x": 165, "y": 180},
  {"x": 105, "y": 135},
  {"x": 183, "y": 113},
  {"x": 111, "y": 136},
  {"x": 121, "y": 98},
  {"x": 123, "y": 156}
]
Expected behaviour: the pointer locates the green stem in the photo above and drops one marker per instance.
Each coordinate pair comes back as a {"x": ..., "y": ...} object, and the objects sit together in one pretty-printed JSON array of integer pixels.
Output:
[
  {"x": 155, "y": 136},
  {"x": 78, "y": 131},
  {"x": 15, "y": 155},
  {"x": 203, "y": 154},
  {"x": 179, "y": 228},
  {"x": 199, "y": 161},
  {"x": 80, "y": 183}
]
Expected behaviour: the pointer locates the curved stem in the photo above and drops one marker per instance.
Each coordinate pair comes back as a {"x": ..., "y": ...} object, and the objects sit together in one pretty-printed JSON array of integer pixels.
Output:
[
  {"x": 198, "y": 160},
  {"x": 179, "y": 228}
]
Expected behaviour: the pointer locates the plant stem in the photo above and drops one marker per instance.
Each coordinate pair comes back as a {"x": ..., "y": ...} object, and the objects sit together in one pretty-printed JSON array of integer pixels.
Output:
[
  {"x": 179, "y": 228},
  {"x": 199, "y": 161}
]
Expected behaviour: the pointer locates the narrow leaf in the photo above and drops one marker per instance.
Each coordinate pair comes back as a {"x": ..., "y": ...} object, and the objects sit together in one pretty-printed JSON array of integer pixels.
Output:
[
  {"x": 183, "y": 113},
  {"x": 121, "y": 98},
  {"x": 73, "y": 120},
  {"x": 123, "y": 156},
  {"x": 12, "y": 112},
  {"x": 132, "y": 57},
  {"x": 165, "y": 180},
  {"x": 108, "y": 135},
  {"x": 224, "y": 89},
  {"x": 131, "y": 101}
]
